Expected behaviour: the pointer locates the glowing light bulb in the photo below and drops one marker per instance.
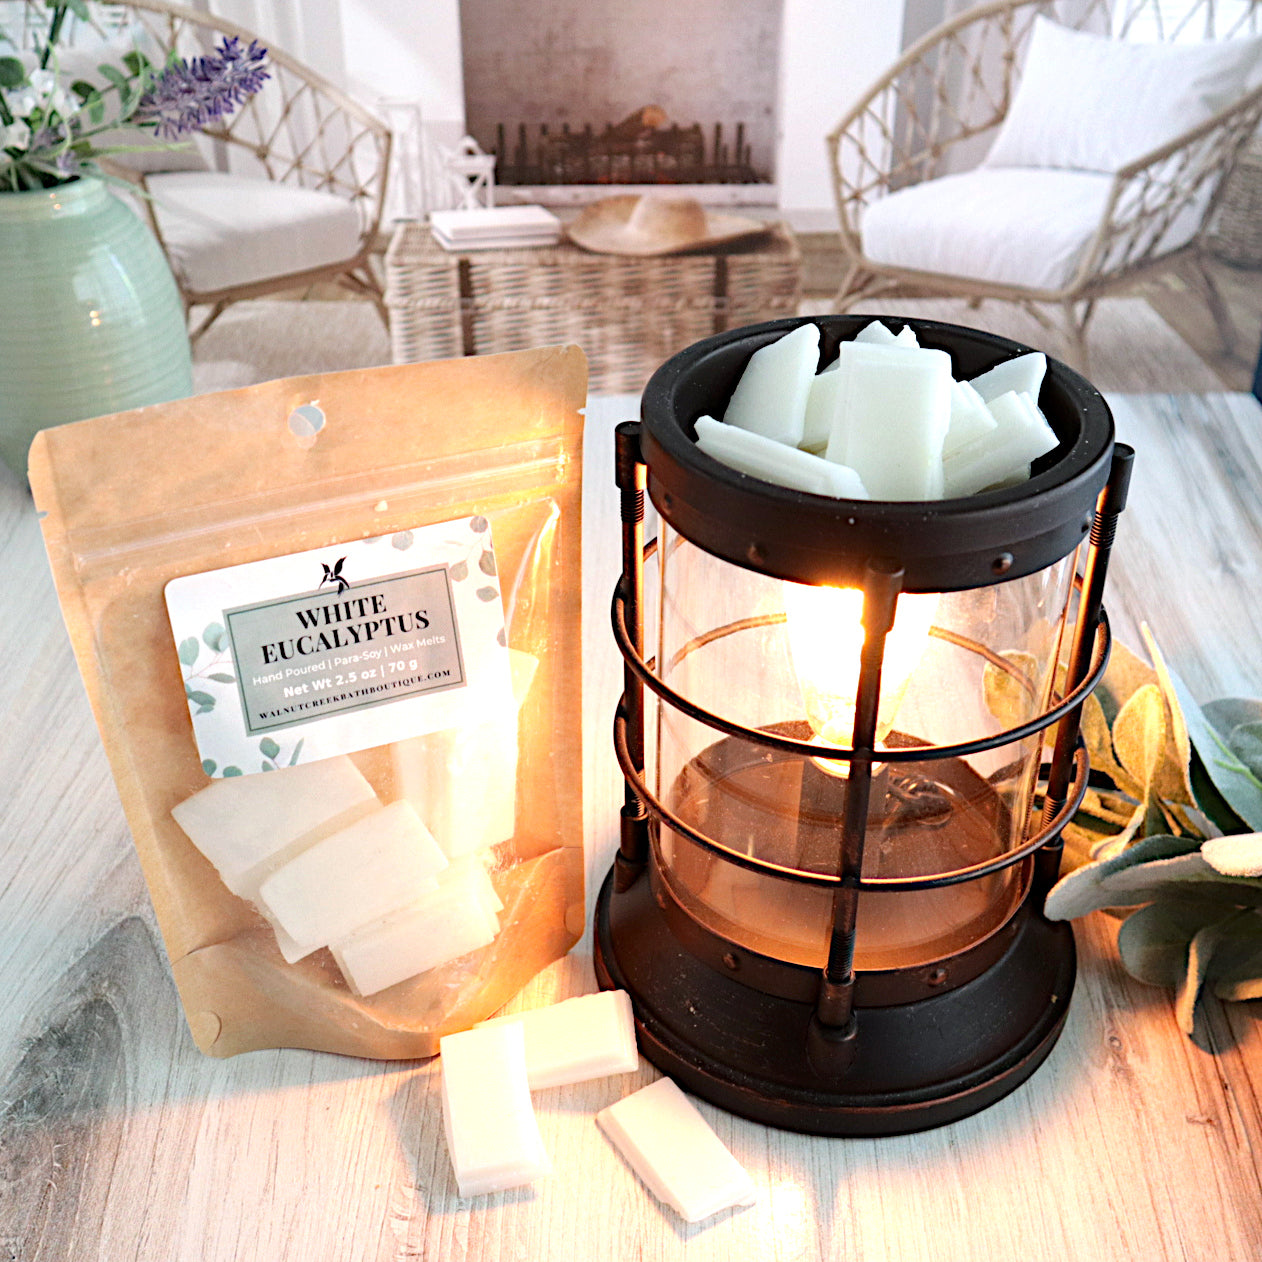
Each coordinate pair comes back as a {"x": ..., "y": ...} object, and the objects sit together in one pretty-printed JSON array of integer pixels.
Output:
[{"x": 825, "y": 627}]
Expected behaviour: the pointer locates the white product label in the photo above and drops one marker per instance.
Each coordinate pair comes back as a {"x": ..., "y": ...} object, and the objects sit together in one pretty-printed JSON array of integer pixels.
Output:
[{"x": 302, "y": 657}]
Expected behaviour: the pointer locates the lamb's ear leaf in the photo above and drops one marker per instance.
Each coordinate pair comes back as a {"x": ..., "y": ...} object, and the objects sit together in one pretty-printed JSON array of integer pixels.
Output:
[
  {"x": 1136, "y": 875},
  {"x": 1126, "y": 673},
  {"x": 1237, "y": 970},
  {"x": 1236, "y": 855},
  {"x": 1202, "y": 957},
  {"x": 1234, "y": 781},
  {"x": 1211, "y": 803},
  {"x": 1245, "y": 740},
  {"x": 1153, "y": 941}
]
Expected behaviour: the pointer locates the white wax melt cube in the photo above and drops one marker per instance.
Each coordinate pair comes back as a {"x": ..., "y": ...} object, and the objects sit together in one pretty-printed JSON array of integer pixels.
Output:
[
  {"x": 773, "y": 462},
  {"x": 457, "y": 915},
  {"x": 1021, "y": 434},
  {"x": 1024, "y": 374},
  {"x": 374, "y": 866},
  {"x": 970, "y": 417},
  {"x": 590, "y": 1036},
  {"x": 247, "y": 825},
  {"x": 770, "y": 397},
  {"x": 492, "y": 1133},
  {"x": 892, "y": 418},
  {"x": 463, "y": 780},
  {"x": 672, "y": 1148},
  {"x": 821, "y": 407},
  {"x": 881, "y": 335}
]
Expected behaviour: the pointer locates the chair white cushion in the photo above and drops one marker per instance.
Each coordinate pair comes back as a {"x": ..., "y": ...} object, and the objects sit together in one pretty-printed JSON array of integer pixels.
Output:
[
  {"x": 1011, "y": 226},
  {"x": 1094, "y": 104},
  {"x": 226, "y": 230}
]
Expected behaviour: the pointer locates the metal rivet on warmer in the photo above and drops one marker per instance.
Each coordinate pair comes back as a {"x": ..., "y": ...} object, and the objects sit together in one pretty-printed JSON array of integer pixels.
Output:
[{"x": 1002, "y": 563}]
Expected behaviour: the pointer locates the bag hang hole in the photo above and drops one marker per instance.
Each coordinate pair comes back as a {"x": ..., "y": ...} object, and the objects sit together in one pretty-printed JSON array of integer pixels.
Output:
[{"x": 305, "y": 423}]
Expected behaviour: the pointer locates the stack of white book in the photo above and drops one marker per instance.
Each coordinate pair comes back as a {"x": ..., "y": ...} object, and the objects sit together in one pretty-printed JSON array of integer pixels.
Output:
[{"x": 494, "y": 227}]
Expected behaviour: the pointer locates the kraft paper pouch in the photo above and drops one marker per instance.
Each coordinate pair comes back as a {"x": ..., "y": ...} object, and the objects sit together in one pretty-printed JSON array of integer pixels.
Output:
[{"x": 332, "y": 623}]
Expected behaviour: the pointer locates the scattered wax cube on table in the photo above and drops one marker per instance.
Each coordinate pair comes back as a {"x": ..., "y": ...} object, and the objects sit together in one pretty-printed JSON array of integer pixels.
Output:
[
  {"x": 589, "y": 1036},
  {"x": 774, "y": 462},
  {"x": 492, "y": 1133},
  {"x": 372, "y": 867},
  {"x": 248, "y": 825},
  {"x": 770, "y": 398},
  {"x": 672, "y": 1148}
]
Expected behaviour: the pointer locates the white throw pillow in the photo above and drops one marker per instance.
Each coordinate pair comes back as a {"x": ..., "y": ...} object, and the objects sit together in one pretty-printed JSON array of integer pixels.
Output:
[{"x": 1088, "y": 103}]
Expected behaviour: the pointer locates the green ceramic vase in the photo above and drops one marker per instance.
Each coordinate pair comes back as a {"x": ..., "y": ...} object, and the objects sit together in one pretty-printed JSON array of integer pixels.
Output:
[{"x": 90, "y": 319}]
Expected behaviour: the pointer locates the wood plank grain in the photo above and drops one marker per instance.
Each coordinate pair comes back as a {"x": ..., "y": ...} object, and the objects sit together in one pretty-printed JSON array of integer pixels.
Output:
[{"x": 119, "y": 1141}]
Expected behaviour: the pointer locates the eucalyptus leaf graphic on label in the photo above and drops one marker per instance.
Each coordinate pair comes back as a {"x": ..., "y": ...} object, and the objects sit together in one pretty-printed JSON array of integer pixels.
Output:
[
  {"x": 486, "y": 563},
  {"x": 488, "y": 593},
  {"x": 188, "y": 651},
  {"x": 202, "y": 700},
  {"x": 215, "y": 637},
  {"x": 479, "y": 525},
  {"x": 402, "y": 541},
  {"x": 459, "y": 572}
]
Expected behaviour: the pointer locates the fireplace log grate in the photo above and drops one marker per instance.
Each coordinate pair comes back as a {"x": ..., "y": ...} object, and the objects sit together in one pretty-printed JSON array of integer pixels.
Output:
[{"x": 622, "y": 154}]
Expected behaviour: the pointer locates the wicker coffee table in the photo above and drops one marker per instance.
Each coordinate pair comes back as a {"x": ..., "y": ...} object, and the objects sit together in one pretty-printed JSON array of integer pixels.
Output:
[{"x": 628, "y": 314}]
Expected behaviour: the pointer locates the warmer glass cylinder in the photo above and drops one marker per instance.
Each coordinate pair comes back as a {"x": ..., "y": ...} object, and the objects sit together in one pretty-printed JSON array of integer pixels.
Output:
[{"x": 784, "y": 658}]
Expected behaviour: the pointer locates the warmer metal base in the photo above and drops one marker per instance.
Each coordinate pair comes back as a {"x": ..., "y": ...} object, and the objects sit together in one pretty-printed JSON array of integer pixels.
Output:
[{"x": 919, "y": 1064}]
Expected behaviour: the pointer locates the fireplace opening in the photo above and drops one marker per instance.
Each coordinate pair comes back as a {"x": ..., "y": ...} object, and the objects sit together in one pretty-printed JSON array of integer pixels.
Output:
[
  {"x": 596, "y": 93},
  {"x": 646, "y": 147}
]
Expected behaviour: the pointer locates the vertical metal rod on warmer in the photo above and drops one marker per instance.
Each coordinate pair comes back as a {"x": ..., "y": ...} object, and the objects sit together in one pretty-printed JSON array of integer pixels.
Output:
[
  {"x": 1109, "y": 507},
  {"x": 835, "y": 1006},
  {"x": 630, "y": 472}
]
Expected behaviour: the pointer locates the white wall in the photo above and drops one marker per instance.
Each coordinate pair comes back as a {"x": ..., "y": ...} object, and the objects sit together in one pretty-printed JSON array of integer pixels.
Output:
[
  {"x": 310, "y": 30},
  {"x": 831, "y": 51}
]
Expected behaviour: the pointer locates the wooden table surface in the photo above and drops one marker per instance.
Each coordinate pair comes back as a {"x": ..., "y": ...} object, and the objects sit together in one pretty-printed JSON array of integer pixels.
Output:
[{"x": 120, "y": 1141}]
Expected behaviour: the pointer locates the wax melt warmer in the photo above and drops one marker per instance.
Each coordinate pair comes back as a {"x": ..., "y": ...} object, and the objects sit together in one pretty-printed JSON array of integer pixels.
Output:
[{"x": 839, "y": 827}]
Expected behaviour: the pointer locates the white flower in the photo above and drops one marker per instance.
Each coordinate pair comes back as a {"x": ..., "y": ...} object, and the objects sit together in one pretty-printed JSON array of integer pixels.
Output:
[
  {"x": 16, "y": 135},
  {"x": 42, "y": 81},
  {"x": 41, "y": 92}
]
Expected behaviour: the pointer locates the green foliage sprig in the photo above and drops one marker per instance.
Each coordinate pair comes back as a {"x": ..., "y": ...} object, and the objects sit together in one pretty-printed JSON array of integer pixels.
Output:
[{"x": 1171, "y": 831}]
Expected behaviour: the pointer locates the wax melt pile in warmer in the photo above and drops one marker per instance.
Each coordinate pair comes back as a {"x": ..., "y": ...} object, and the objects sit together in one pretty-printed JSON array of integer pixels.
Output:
[
  {"x": 885, "y": 420},
  {"x": 493, "y": 1135}
]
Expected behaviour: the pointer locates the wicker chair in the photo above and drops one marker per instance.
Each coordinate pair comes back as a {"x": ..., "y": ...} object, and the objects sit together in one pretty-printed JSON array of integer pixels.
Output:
[
  {"x": 285, "y": 193},
  {"x": 937, "y": 110}
]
